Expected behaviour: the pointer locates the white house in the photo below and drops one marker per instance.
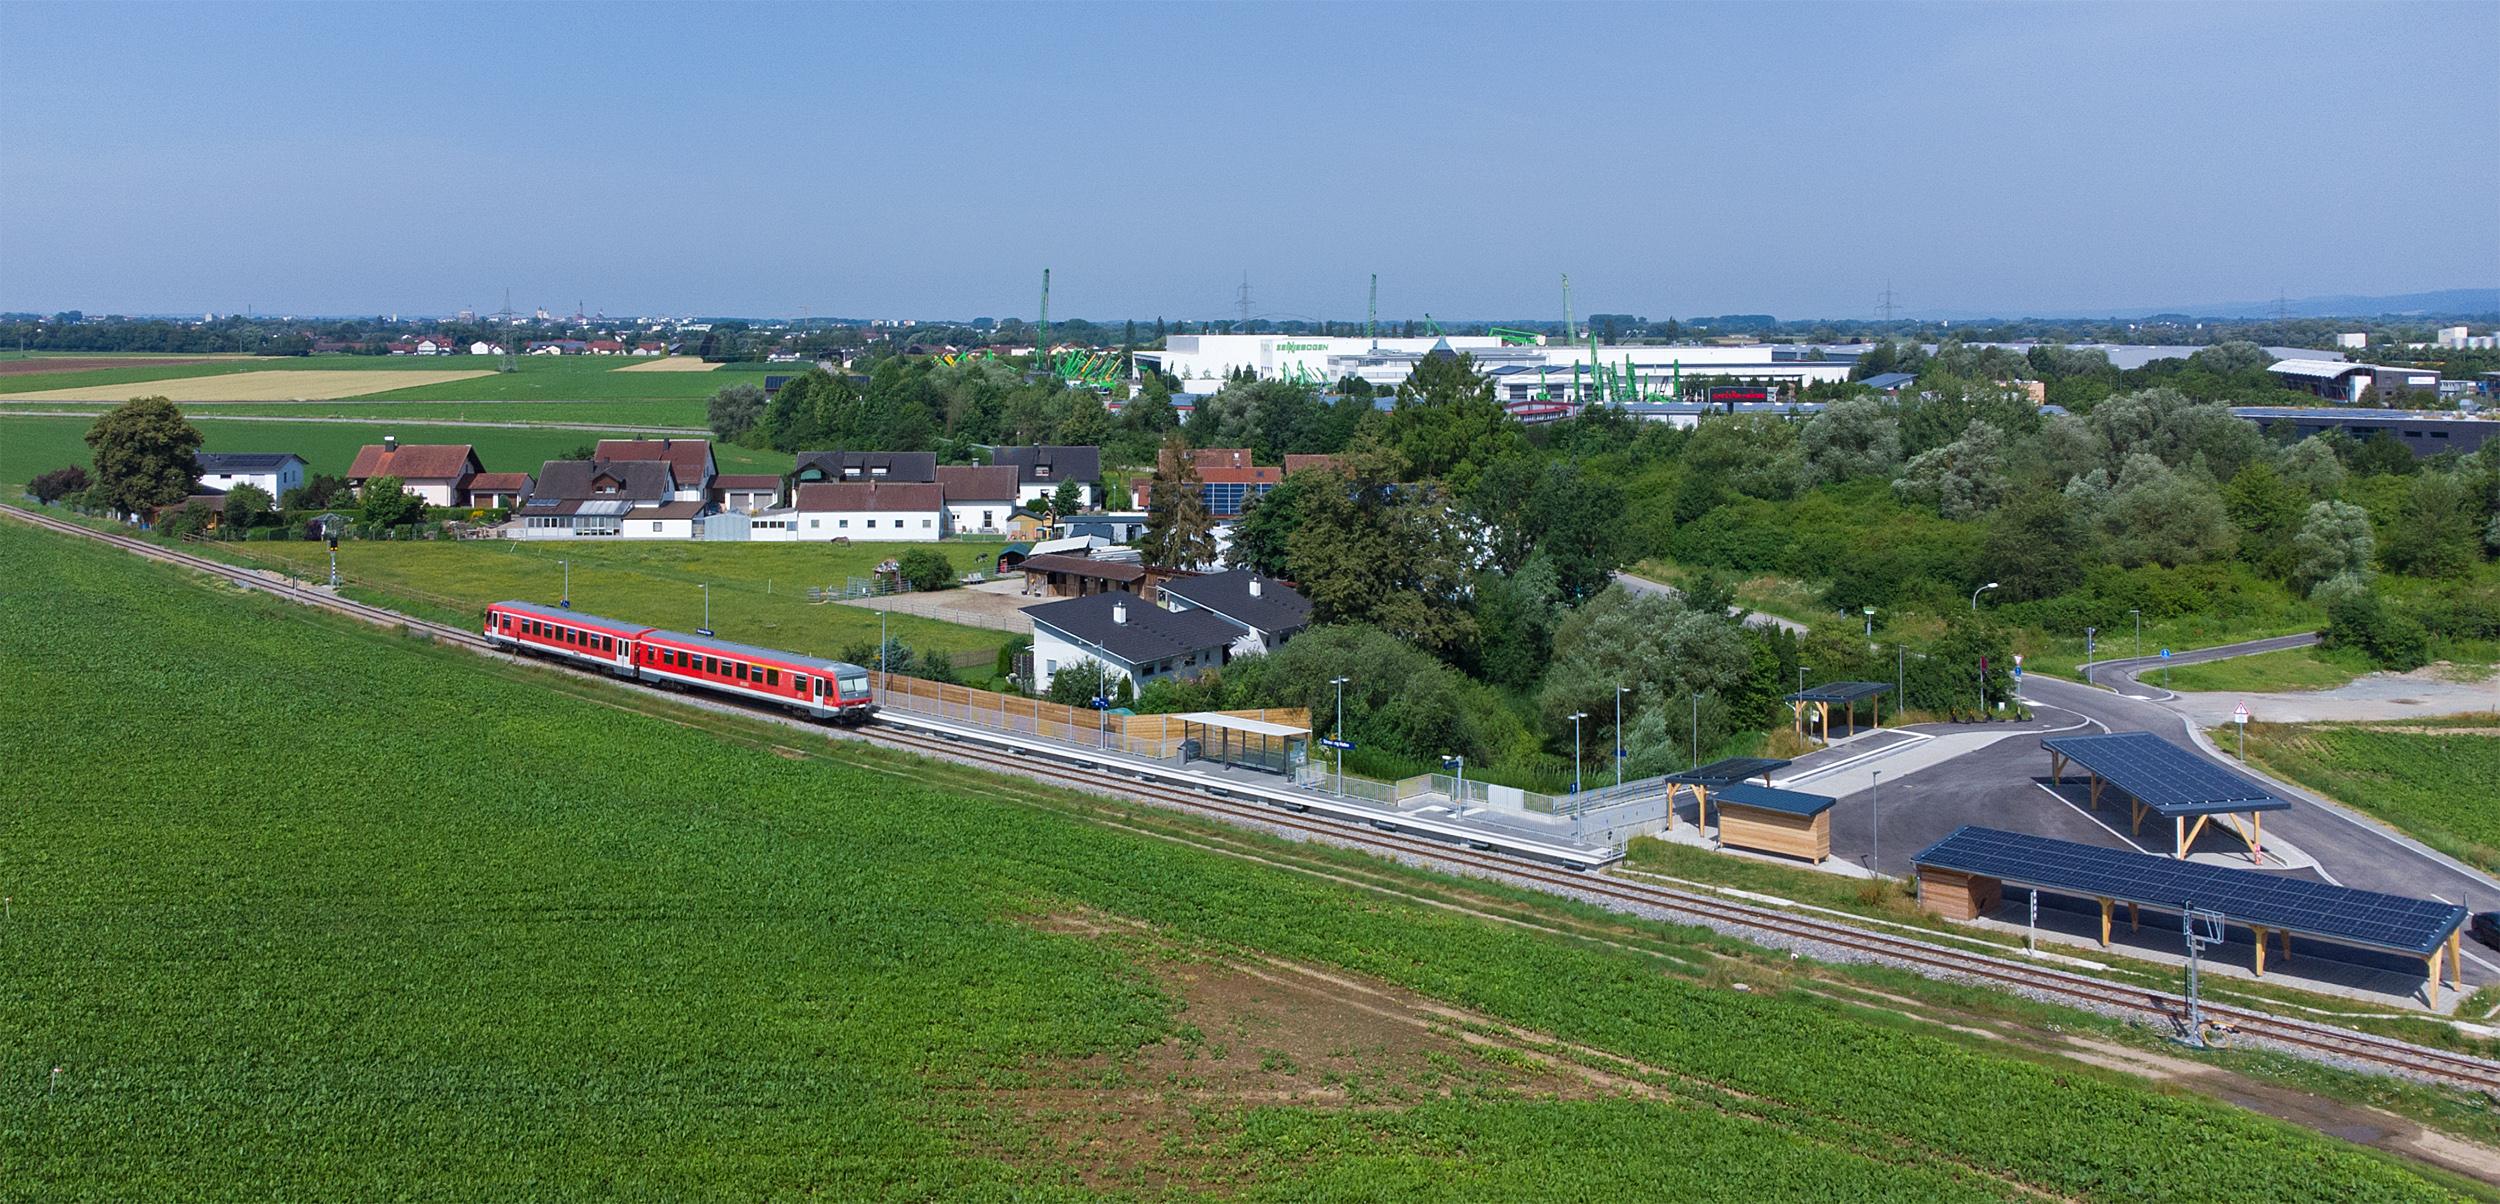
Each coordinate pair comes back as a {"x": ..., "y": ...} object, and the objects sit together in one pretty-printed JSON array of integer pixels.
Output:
[
  {"x": 1266, "y": 611},
  {"x": 980, "y": 499},
  {"x": 1042, "y": 468},
  {"x": 869, "y": 510},
  {"x": 482, "y": 347},
  {"x": 675, "y": 520},
  {"x": 1128, "y": 637},
  {"x": 273, "y": 473}
]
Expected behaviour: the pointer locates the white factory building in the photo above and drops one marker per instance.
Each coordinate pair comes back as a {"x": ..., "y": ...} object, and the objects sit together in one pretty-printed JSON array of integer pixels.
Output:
[{"x": 1521, "y": 372}]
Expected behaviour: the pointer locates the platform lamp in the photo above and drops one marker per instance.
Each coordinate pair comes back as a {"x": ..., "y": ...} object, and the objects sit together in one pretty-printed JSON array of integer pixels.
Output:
[
  {"x": 1340, "y": 682},
  {"x": 1620, "y": 691},
  {"x": 2139, "y": 630},
  {"x": 1870, "y": 622},
  {"x": 706, "y": 629},
  {"x": 567, "y": 602},
  {"x": 1576, "y": 717}
]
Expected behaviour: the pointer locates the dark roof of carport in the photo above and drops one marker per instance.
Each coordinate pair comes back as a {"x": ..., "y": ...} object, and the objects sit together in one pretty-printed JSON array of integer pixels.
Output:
[
  {"x": 1732, "y": 769},
  {"x": 2338, "y": 913},
  {"x": 2163, "y": 776},
  {"x": 1842, "y": 691},
  {"x": 1794, "y": 802}
]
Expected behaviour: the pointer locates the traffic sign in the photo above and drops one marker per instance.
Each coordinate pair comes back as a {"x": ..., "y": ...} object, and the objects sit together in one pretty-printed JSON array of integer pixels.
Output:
[
  {"x": 2165, "y": 654},
  {"x": 1339, "y": 745},
  {"x": 2239, "y": 714}
]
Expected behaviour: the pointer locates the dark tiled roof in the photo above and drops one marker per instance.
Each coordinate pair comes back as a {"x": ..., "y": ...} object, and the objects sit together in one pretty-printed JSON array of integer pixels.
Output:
[
  {"x": 637, "y": 480},
  {"x": 1049, "y": 464},
  {"x": 1084, "y": 566},
  {"x": 233, "y": 462},
  {"x": 1277, "y": 608},
  {"x": 1150, "y": 634},
  {"x": 871, "y": 497},
  {"x": 977, "y": 483},
  {"x": 746, "y": 480},
  {"x": 898, "y": 466},
  {"x": 414, "y": 462}
]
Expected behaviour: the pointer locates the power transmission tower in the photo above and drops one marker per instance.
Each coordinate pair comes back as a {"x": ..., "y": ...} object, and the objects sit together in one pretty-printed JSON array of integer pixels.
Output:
[
  {"x": 1884, "y": 303},
  {"x": 1041, "y": 338},
  {"x": 1245, "y": 300},
  {"x": 1571, "y": 327},
  {"x": 1371, "y": 317},
  {"x": 2282, "y": 307}
]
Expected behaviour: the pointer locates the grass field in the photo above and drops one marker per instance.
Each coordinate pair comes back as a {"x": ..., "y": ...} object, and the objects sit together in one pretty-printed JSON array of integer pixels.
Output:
[
  {"x": 30, "y": 445},
  {"x": 758, "y": 589},
  {"x": 260, "y": 386},
  {"x": 2292, "y": 669},
  {"x": 685, "y": 415},
  {"x": 413, "y": 925},
  {"x": 2438, "y": 780},
  {"x": 539, "y": 378}
]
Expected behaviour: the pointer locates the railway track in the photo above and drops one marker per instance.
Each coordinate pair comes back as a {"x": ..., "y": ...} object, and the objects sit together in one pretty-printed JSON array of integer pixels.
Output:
[{"x": 2385, "y": 1053}]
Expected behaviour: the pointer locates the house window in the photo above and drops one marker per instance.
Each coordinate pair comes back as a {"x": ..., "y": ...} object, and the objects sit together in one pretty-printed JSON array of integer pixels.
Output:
[
  {"x": 655, "y": 527},
  {"x": 926, "y": 523},
  {"x": 815, "y": 522},
  {"x": 843, "y": 523},
  {"x": 872, "y": 524},
  {"x": 985, "y": 517}
]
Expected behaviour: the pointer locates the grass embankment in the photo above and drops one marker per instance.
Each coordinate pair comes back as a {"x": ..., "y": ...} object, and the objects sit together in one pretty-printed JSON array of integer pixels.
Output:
[
  {"x": 406, "y": 923},
  {"x": 2290, "y": 670},
  {"x": 31, "y": 446},
  {"x": 2438, "y": 780},
  {"x": 758, "y": 590}
]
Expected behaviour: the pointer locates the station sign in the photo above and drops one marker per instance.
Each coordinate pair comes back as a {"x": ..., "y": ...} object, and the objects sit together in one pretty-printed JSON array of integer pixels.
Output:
[{"x": 1339, "y": 745}]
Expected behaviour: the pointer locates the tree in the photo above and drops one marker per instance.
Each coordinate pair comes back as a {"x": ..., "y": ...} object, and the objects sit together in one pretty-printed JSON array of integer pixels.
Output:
[
  {"x": 926, "y": 569},
  {"x": 248, "y": 506},
  {"x": 2153, "y": 514},
  {"x": 59, "y": 483},
  {"x": 388, "y": 503},
  {"x": 2036, "y": 547},
  {"x": 1179, "y": 531},
  {"x": 2312, "y": 465},
  {"x": 734, "y": 411},
  {"x": 1259, "y": 539},
  {"x": 1962, "y": 479},
  {"x": 2334, "y": 541},
  {"x": 319, "y": 491},
  {"x": 1516, "y": 614},
  {"x": 2435, "y": 533},
  {"x": 1067, "y": 499},
  {"x": 1398, "y": 558},
  {"x": 2268, "y": 511},
  {"x": 191, "y": 519},
  {"x": 1849, "y": 439},
  {"x": 146, "y": 456},
  {"x": 1078, "y": 685}
]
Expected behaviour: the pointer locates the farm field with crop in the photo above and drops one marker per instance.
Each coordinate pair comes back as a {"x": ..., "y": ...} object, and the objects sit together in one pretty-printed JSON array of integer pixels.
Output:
[
  {"x": 685, "y": 415},
  {"x": 32, "y": 445},
  {"x": 421, "y": 925},
  {"x": 538, "y": 378},
  {"x": 2438, "y": 780},
  {"x": 259, "y": 386},
  {"x": 758, "y": 589}
]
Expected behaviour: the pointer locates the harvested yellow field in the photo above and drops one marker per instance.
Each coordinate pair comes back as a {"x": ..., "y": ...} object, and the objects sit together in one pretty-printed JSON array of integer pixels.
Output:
[
  {"x": 671, "y": 363},
  {"x": 310, "y": 385}
]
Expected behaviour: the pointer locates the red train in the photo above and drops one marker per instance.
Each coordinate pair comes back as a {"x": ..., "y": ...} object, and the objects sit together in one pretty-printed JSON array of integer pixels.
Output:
[{"x": 821, "y": 689}]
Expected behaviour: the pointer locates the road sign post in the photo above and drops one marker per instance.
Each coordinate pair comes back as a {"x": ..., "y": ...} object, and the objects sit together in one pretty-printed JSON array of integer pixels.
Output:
[{"x": 2239, "y": 721}]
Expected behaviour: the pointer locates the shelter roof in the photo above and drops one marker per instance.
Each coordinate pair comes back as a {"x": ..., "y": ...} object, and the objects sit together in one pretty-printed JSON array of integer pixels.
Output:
[
  {"x": 2341, "y": 913},
  {"x": 1793, "y": 802},
  {"x": 1728, "y": 770},
  {"x": 1842, "y": 691},
  {"x": 2163, "y": 776},
  {"x": 1083, "y": 566},
  {"x": 1238, "y": 723}
]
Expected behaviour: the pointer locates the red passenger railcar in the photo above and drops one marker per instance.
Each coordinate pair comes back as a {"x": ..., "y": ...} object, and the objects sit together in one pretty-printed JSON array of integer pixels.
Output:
[
  {"x": 565, "y": 634},
  {"x": 825, "y": 689}
]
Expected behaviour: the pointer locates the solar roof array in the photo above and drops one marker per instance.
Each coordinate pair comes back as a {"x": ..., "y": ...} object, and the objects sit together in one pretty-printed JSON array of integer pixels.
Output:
[
  {"x": 1842, "y": 691},
  {"x": 2161, "y": 775},
  {"x": 2361, "y": 917},
  {"x": 1794, "y": 802},
  {"x": 1733, "y": 769}
]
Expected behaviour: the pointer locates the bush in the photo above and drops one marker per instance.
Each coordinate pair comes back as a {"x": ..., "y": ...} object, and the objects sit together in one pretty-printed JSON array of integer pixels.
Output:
[
  {"x": 927, "y": 569},
  {"x": 57, "y": 484},
  {"x": 2358, "y": 619}
]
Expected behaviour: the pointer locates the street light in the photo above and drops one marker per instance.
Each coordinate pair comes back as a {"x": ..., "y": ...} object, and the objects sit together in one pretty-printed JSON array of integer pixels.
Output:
[
  {"x": 568, "y": 583},
  {"x": 1576, "y": 717},
  {"x": 2088, "y": 642},
  {"x": 1974, "y": 596},
  {"x": 1620, "y": 691},
  {"x": 1877, "y": 792},
  {"x": 2139, "y": 630},
  {"x": 706, "y": 629},
  {"x": 1339, "y": 682},
  {"x": 1870, "y": 623},
  {"x": 1458, "y": 793}
]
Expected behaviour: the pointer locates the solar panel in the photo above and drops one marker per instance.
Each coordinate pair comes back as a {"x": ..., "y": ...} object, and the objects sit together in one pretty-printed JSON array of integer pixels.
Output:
[
  {"x": 1732, "y": 769},
  {"x": 1841, "y": 691},
  {"x": 2322, "y": 909},
  {"x": 2162, "y": 775},
  {"x": 1794, "y": 802}
]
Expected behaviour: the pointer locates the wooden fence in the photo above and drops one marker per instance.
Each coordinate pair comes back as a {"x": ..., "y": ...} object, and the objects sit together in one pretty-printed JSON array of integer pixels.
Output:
[{"x": 1156, "y": 736}]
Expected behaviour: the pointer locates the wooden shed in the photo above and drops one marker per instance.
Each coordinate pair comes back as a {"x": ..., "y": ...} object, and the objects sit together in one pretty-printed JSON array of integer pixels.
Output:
[{"x": 1787, "y": 822}]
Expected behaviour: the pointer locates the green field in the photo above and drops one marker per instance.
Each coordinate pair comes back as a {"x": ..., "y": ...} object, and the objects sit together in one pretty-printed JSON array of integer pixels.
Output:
[
  {"x": 758, "y": 589},
  {"x": 2291, "y": 669},
  {"x": 29, "y": 446},
  {"x": 405, "y": 923},
  {"x": 2438, "y": 780},
  {"x": 540, "y": 378},
  {"x": 687, "y": 415}
]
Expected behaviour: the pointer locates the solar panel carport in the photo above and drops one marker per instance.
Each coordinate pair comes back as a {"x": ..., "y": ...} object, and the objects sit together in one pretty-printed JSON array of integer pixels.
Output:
[
  {"x": 1963, "y": 876},
  {"x": 1846, "y": 693},
  {"x": 1788, "y": 822},
  {"x": 1728, "y": 771},
  {"x": 2167, "y": 780}
]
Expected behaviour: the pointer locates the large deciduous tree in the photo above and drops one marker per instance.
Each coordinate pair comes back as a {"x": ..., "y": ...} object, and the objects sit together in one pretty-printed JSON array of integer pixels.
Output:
[
  {"x": 2334, "y": 541},
  {"x": 734, "y": 411},
  {"x": 146, "y": 455},
  {"x": 387, "y": 503},
  {"x": 1179, "y": 531}
]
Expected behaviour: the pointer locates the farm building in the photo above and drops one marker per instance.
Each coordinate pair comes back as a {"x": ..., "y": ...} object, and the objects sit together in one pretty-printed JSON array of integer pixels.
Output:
[{"x": 437, "y": 472}]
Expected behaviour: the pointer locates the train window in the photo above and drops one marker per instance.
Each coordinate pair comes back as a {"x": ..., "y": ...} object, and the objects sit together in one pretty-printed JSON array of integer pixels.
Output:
[
  {"x": 742, "y": 672},
  {"x": 711, "y": 665},
  {"x": 772, "y": 677}
]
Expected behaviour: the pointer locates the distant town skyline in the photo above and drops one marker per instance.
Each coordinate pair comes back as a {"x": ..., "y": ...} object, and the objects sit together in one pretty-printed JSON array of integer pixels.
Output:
[{"x": 2005, "y": 160}]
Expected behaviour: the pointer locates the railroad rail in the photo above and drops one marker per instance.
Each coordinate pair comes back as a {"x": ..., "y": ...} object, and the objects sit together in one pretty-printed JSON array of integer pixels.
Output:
[{"x": 1038, "y": 760}]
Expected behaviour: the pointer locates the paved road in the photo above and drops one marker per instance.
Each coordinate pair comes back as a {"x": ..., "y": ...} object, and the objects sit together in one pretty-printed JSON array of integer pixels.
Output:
[
  {"x": 2123, "y": 675},
  {"x": 379, "y": 419},
  {"x": 1643, "y": 585}
]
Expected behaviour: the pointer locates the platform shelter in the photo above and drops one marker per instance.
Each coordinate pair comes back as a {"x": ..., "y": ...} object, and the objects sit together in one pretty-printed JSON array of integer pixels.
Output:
[
  {"x": 1237, "y": 740},
  {"x": 2161, "y": 778},
  {"x": 1701, "y": 780},
  {"x": 1788, "y": 822},
  {"x": 1847, "y": 694},
  {"x": 1964, "y": 876}
]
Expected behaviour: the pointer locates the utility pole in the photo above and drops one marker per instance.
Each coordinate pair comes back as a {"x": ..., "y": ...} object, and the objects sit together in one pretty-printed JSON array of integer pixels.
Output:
[
  {"x": 1876, "y": 793},
  {"x": 1371, "y": 318},
  {"x": 1884, "y": 301},
  {"x": 1041, "y": 337},
  {"x": 1620, "y": 691},
  {"x": 1244, "y": 300},
  {"x": 1339, "y": 682},
  {"x": 1571, "y": 329}
]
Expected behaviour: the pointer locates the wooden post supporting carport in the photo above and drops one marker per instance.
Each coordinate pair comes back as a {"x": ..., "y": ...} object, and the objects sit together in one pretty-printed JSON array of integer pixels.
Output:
[
  {"x": 2431, "y": 963},
  {"x": 2260, "y": 963},
  {"x": 2106, "y": 906},
  {"x": 2456, "y": 958},
  {"x": 2135, "y": 917}
]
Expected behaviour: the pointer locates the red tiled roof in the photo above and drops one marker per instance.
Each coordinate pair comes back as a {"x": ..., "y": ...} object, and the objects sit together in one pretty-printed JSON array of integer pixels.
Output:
[
  {"x": 977, "y": 482},
  {"x": 1241, "y": 476},
  {"x": 1221, "y": 457},
  {"x": 685, "y": 457},
  {"x": 1295, "y": 463},
  {"x": 1080, "y": 566},
  {"x": 500, "y": 482},
  {"x": 414, "y": 462},
  {"x": 871, "y": 497}
]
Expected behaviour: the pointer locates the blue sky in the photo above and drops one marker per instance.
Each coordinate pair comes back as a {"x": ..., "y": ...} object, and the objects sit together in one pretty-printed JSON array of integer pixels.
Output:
[{"x": 890, "y": 161}]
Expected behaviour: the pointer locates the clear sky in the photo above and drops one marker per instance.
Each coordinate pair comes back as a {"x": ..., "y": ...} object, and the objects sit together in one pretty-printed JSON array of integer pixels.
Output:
[{"x": 925, "y": 161}]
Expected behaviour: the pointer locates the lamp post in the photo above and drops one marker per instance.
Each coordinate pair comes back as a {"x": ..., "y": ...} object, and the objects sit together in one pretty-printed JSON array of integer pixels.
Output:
[
  {"x": 567, "y": 603},
  {"x": 2139, "y": 630},
  {"x": 2090, "y": 643},
  {"x": 1870, "y": 624},
  {"x": 884, "y": 679},
  {"x": 1457, "y": 761},
  {"x": 1696, "y": 745},
  {"x": 1620, "y": 691},
  {"x": 1576, "y": 717},
  {"x": 1339, "y": 682},
  {"x": 1801, "y": 703},
  {"x": 706, "y": 629},
  {"x": 1974, "y": 596},
  {"x": 1876, "y": 792}
]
